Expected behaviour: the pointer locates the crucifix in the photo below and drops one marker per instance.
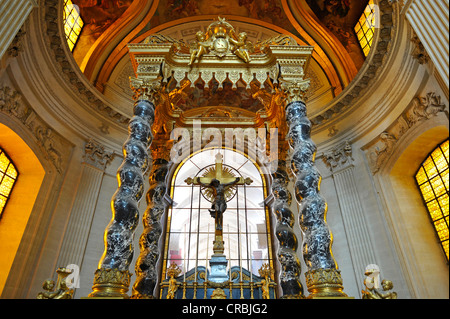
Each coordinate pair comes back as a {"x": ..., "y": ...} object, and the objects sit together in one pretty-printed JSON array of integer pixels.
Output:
[{"x": 219, "y": 182}]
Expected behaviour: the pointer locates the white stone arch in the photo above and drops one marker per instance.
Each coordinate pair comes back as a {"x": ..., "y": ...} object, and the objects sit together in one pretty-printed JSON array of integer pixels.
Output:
[{"x": 423, "y": 264}]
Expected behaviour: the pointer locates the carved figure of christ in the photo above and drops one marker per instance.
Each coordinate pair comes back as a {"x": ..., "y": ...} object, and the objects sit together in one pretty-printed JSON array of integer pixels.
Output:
[{"x": 218, "y": 185}]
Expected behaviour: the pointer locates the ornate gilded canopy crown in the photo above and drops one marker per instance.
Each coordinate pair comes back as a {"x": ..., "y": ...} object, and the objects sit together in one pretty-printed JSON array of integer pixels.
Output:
[{"x": 221, "y": 54}]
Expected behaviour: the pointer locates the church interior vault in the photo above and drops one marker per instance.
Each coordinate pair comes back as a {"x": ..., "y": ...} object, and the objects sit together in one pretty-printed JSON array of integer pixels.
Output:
[{"x": 123, "y": 109}]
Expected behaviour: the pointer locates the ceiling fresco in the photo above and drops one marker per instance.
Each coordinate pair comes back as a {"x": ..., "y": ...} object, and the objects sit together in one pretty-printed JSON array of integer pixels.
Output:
[
  {"x": 340, "y": 17},
  {"x": 98, "y": 16}
]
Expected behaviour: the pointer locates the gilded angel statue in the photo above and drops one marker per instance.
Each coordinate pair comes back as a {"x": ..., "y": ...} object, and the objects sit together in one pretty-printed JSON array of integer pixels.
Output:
[
  {"x": 241, "y": 47},
  {"x": 202, "y": 47}
]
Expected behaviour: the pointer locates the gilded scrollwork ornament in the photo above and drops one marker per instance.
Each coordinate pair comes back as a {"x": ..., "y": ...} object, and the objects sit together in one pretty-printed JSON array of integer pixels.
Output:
[
  {"x": 110, "y": 283},
  {"x": 146, "y": 89}
]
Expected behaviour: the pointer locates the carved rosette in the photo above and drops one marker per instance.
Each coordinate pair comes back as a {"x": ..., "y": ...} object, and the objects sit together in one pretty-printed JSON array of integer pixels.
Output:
[
  {"x": 120, "y": 231},
  {"x": 288, "y": 243},
  {"x": 317, "y": 237},
  {"x": 146, "y": 265}
]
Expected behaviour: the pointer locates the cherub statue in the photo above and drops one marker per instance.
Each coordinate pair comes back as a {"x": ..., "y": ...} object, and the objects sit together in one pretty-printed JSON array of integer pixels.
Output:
[
  {"x": 241, "y": 46},
  {"x": 203, "y": 46},
  {"x": 62, "y": 292},
  {"x": 373, "y": 293}
]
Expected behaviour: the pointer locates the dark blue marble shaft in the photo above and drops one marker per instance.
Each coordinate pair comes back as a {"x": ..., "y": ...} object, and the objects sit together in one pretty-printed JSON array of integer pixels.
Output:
[
  {"x": 313, "y": 207},
  {"x": 146, "y": 265},
  {"x": 288, "y": 243},
  {"x": 119, "y": 233}
]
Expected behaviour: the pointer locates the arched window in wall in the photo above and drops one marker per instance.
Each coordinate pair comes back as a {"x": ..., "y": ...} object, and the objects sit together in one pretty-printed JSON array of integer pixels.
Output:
[
  {"x": 365, "y": 27},
  {"x": 8, "y": 177},
  {"x": 73, "y": 24},
  {"x": 433, "y": 181},
  {"x": 246, "y": 222}
]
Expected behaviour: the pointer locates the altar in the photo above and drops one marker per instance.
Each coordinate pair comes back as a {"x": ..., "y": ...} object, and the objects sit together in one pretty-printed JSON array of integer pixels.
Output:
[{"x": 243, "y": 285}]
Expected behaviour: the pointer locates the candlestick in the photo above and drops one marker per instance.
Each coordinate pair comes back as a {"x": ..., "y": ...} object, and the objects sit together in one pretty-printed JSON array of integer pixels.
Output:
[
  {"x": 240, "y": 252},
  {"x": 207, "y": 247},
  {"x": 229, "y": 250},
  {"x": 184, "y": 256},
  {"x": 241, "y": 282},
  {"x": 195, "y": 290},
  {"x": 206, "y": 265},
  {"x": 184, "y": 289},
  {"x": 251, "y": 259}
]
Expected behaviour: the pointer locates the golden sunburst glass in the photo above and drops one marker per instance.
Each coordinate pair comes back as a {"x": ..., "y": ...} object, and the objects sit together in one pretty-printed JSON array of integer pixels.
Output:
[{"x": 210, "y": 172}]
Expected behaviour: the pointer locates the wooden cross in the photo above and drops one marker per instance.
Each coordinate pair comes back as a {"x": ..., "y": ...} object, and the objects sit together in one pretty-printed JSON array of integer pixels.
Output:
[{"x": 218, "y": 184}]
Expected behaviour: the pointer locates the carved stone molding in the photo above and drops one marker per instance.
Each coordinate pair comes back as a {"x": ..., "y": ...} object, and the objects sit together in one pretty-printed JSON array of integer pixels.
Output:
[
  {"x": 52, "y": 144},
  {"x": 16, "y": 45},
  {"x": 361, "y": 84},
  {"x": 422, "y": 109},
  {"x": 419, "y": 53},
  {"x": 55, "y": 40},
  {"x": 96, "y": 155},
  {"x": 339, "y": 157}
]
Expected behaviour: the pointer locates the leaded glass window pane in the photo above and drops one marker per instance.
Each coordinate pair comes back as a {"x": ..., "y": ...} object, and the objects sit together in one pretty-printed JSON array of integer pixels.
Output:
[
  {"x": 8, "y": 177},
  {"x": 190, "y": 227},
  {"x": 433, "y": 178}
]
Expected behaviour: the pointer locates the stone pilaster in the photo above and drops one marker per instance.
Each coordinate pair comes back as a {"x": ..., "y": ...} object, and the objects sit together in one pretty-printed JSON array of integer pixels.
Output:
[
  {"x": 95, "y": 160},
  {"x": 340, "y": 162},
  {"x": 13, "y": 14}
]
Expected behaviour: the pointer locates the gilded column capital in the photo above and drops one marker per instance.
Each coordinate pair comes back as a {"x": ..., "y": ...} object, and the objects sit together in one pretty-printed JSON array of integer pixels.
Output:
[
  {"x": 295, "y": 90},
  {"x": 146, "y": 88}
]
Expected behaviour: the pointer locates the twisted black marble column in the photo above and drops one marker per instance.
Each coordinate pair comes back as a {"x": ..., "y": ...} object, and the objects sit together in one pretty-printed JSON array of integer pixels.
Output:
[
  {"x": 323, "y": 279},
  {"x": 112, "y": 278},
  {"x": 146, "y": 265},
  {"x": 288, "y": 243}
]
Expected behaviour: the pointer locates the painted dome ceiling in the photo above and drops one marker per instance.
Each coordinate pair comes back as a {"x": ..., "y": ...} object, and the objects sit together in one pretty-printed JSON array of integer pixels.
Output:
[{"x": 109, "y": 25}]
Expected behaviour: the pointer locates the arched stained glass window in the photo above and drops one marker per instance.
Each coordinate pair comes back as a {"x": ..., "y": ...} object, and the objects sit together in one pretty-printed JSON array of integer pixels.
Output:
[
  {"x": 433, "y": 181},
  {"x": 190, "y": 227},
  {"x": 8, "y": 177}
]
